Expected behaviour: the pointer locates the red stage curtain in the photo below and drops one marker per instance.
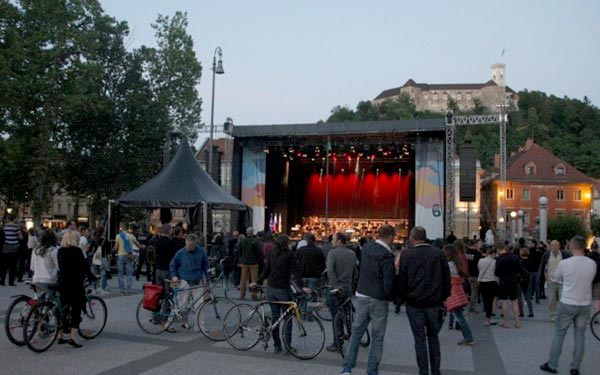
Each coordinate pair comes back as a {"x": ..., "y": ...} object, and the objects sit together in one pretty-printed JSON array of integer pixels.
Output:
[{"x": 383, "y": 195}]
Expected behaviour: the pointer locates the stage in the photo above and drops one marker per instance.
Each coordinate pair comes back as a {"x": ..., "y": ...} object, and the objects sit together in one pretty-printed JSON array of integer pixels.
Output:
[{"x": 374, "y": 173}]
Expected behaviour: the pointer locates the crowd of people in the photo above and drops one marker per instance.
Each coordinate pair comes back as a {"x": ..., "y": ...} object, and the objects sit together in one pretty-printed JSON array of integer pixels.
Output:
[{"x": 432, "y": 279}]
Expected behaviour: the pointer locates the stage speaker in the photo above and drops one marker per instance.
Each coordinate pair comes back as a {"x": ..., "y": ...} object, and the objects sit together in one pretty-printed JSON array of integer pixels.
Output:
[{"x": 468, "y": 170}]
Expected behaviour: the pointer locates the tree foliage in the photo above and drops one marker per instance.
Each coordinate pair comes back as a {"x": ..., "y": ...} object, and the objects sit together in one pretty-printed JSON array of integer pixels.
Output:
[
  {"x": 563, "y": 228},
  {"x": 81, "y": 112},
  {"x": 567, "y": 127}
]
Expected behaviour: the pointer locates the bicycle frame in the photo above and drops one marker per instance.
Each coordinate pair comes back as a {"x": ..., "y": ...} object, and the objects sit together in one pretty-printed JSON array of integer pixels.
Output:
[{"x": 190, "y": 305}]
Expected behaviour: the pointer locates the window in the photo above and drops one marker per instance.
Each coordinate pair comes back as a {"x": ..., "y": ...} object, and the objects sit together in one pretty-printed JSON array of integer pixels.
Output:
[
  {"x": 469, "y": 96},
  {"x": 445, "y": 96},
  {"x": 577, "y": 196},
  {"x": 59, "y": 207},
  {"x": 510, "y": 194},
  {"x": 434, "y": 96},
  {"x": 526, "y": 219},
  {"x": 560, "y": 195},
  {"x": 526, "y": 195},
  {"x": 458, "y": 96},
  {"x": 559, "y": 170},
  {"x": 577, "y": 215},
  {"x": 560, "y": 213},
  {"x": 426, "y": 97}
]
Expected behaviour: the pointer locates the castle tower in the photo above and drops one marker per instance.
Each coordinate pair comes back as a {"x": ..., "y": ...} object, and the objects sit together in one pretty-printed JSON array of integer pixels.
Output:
[{"x": 498, "y": 74}]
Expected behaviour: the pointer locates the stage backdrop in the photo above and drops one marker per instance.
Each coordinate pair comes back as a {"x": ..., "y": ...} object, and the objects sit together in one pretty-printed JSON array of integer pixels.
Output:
[
  {"x": 429, "y": 188},
  {"x": 366, "y": 195},
  {"x": 253, "y": 185}
]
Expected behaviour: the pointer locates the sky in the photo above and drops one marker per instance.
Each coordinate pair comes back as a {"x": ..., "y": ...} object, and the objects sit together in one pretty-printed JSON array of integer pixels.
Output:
[{"x": 293, "y": 61}]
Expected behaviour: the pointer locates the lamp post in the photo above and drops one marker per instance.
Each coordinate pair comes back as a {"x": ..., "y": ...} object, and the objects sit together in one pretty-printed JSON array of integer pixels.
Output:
[
  {"x": 543, "y": 219},
  {"x": 520, "y": 223},
  {"x": 513, "y": 226},
  {"x": 217, "y": 68}
]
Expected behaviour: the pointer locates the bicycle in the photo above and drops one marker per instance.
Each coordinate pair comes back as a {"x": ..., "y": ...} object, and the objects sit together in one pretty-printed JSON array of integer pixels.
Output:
[
  {"x": 595, "y": 325},
  {"x": 245, "y": 325},
  {"x": 47, "y": 318},
  {"x": 342, "y": 324},
  {"x": 220, "y": 282},
  {"x": 16, "y": 314},
  {"x": 209, "y": 314}
]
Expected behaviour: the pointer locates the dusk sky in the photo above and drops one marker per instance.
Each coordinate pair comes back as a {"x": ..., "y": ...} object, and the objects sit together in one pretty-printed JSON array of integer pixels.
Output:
[{"x": 293, "y": 61}]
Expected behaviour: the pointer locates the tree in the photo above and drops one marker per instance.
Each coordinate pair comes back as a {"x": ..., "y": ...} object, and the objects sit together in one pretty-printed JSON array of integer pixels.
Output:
[
  {"x": 563, "y": 228},
  {"x": 174, "y": 74}
]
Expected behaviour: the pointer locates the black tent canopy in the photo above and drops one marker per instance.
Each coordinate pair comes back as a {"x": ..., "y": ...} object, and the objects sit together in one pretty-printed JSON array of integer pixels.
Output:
[{"x": 182, "y": 184}]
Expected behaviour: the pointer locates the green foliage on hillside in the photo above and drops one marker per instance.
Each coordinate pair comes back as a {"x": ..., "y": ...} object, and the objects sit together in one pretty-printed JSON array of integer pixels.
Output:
[{"x": 569, "y": 128}]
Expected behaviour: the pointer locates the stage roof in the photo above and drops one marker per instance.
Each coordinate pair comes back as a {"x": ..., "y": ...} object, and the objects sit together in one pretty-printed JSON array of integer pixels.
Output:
[{"x": 340, "y": 128}]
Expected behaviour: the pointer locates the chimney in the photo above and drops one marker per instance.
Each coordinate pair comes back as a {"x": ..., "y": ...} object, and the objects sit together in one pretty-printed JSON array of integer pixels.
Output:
[
  {"x": 496, "y": 161},
  {"x": 529, "y": 143}
]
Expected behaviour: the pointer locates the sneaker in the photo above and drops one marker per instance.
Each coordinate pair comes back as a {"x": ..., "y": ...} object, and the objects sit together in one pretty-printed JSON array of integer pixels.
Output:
[
  {"x": 574, "y": 371},
  {"x": 547, "y": 368},
  {"x": 530, "y": 316},
  {"x": 277, "y": 349},
  {"x": 186, "y": 326},
  {"x": 346, "y": 371},
  {"x": 466, "y": 343},
  {"x": 332, "y": 348}
]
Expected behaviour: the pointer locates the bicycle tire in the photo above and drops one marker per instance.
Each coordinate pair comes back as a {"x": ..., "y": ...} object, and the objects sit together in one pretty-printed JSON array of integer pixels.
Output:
[
  {"x": 309, "y": 330},
  {"x": 243, "y": 327},
  {"x": 341, "y": 338},
  {"x": 152, "y": 322},
  {"x": 595, "y": 325},
  {"x": 95, "y": 312},
  {"x": 13, "y": 326},
  {"x": 211, "y": 315},
  {"x": 323, "y": 313},
  {"x": 41, "y": 327}
]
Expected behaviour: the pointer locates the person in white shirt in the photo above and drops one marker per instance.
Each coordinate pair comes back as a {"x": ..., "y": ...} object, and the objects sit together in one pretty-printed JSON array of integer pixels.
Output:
[
  {"x": 488, "y": 283},
  {"x": 576, "y": 275},
  {"x": 44, "y": 261}
]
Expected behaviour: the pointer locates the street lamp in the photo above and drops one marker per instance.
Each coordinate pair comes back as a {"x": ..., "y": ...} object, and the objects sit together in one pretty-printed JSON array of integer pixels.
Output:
[{"x": 217, "y": 68}]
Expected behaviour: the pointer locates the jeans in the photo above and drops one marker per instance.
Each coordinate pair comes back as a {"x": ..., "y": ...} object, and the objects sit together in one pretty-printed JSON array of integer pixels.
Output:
[
  {"x": 522, "y": 294},
  {"x": 534, "y": 287},
  {"x": 424, "y": 323},
  {"x": 248, "y": 271},
  {"x": 464, "y": 325},
  {"x": 312, "y": 283},
  {"x": 124, "y": 266},
  {"x": 474, "y": 284},
  {"x": 373, "y": 311},
  {"x": 8, "y": 264},
  {"x": 579, "y": 317},
  {"x": 275, "y": 294},
  {"x": 554, "y": 290},
  {"x": 334, "y": 302}
]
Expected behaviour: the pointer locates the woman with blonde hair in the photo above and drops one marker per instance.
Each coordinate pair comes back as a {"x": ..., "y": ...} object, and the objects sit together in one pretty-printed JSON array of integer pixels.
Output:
[{"x": 73, "y": 271}]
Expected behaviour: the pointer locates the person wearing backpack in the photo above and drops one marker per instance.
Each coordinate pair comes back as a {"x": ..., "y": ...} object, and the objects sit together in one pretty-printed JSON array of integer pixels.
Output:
[{"x": 124, "y": 245}]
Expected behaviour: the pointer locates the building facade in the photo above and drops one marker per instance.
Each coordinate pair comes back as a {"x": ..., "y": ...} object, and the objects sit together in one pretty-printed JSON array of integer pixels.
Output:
[
  {"x": 434, "y": 97},
  {"x": 222, "y": 162},
  {"x": 534, "y": 172}
]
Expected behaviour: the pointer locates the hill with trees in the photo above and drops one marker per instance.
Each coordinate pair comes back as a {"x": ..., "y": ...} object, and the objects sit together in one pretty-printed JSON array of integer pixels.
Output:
[{"x": 567, "y": 127}]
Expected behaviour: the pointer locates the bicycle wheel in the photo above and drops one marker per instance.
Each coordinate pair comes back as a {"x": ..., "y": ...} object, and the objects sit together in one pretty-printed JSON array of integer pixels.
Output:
[
  {"x": 323, "y": 311},
  {"x": 305, "y": 338},
  {"x": 242, "y": 327},
  {"x": 15, "y": 317},
  {"x": 41, "y": 327},
  {"x": 211, "y": 315},
  {"x": 152, "y": 322},
  {"x": 93, "y": 318},
  {"x": 341, "y": 332},
  {"x": 595, "y": 325}
]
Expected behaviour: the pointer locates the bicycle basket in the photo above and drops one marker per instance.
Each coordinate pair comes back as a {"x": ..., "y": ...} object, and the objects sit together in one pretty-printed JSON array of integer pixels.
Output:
[{"x": 152, "y": 294}]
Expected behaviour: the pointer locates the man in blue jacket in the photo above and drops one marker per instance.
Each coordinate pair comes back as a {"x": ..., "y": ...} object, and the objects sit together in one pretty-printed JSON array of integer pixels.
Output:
[
  {"x": 375, "y": 290},
  {"x": 188, "y": 269}
]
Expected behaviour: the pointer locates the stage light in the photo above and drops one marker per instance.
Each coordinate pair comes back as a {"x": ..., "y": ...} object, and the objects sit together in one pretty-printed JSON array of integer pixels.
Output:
[
  {"x": 380, "y": 148},
  {"x": 266, "y": 150},
  {"x": 372, "y": 157},
  {"x": 343, "y": 170}
]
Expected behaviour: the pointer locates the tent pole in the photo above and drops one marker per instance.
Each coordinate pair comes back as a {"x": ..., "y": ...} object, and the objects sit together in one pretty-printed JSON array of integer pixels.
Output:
[{"x": 204, "y": 221}]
